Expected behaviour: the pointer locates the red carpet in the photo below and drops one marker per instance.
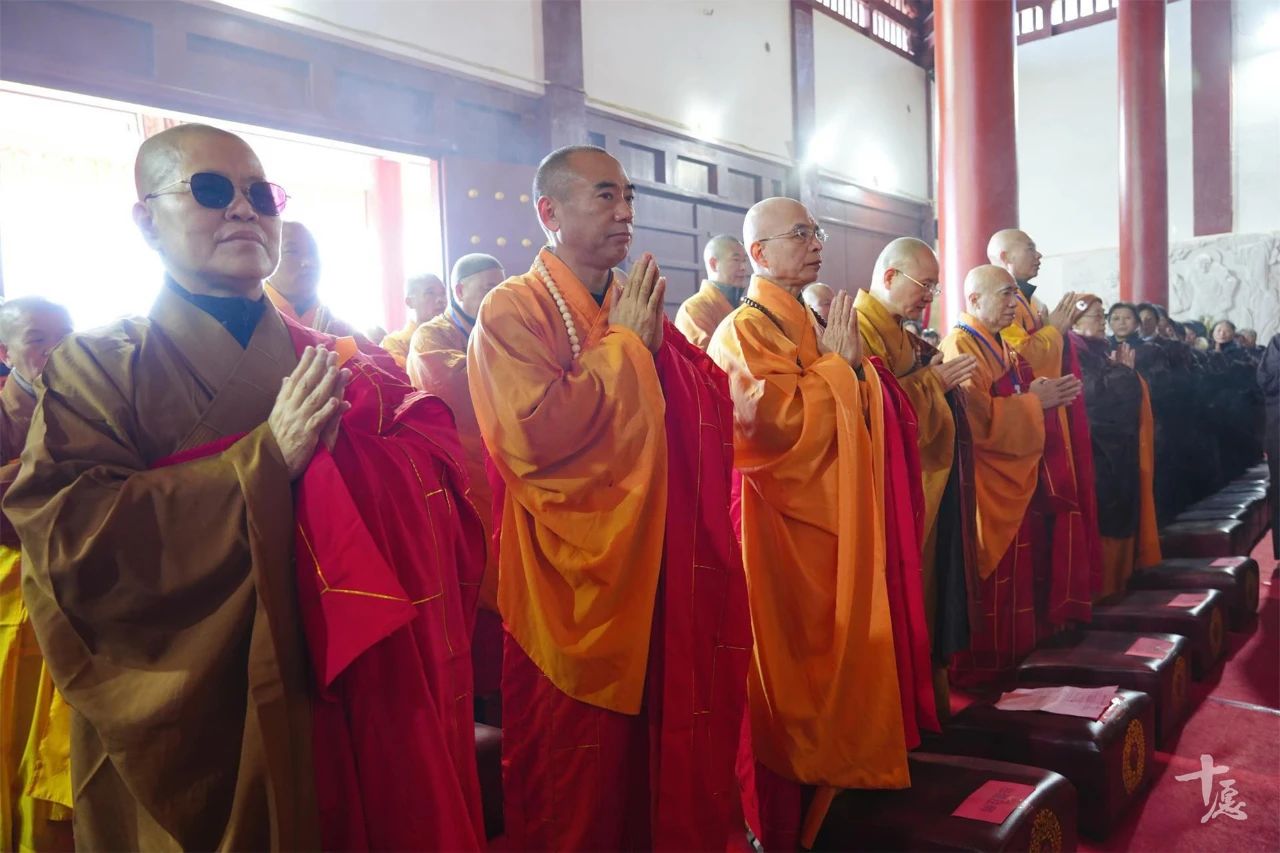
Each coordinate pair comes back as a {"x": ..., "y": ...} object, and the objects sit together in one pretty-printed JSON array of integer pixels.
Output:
[{"x": 1245, "y": 739}]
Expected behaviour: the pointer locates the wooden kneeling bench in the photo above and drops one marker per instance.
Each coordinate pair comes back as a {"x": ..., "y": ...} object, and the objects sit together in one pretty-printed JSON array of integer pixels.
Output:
[
  {"x": 1153, "y": 663},
  {"x": 1235, "y": 577},
  {"x": 1040, "y": 807},
  {"x": 1197, "y": 614},
  {"x": 1107, "y": 760},
  {"x": 489, "y": 768},
  {"x": 1212, "y": 538}
]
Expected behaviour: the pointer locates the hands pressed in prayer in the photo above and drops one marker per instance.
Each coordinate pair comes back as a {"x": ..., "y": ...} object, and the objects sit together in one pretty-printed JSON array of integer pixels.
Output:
[
  {"x": 842, "y": 336},
  {"x": 952, "y": 373},
  {"x": 1056, "y": 392},
  {"x": 639, "y": 307},
  {"x": 1124, "y": 354},
  {"x": 1065, "y": 315},
  {"x": 309, "y": 407}
]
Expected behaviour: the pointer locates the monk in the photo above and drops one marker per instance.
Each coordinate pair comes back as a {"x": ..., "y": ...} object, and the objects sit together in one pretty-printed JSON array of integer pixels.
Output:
[
  {"x": 438, "y": 364},
  {"x": 293, "y": 287},
  {"x": 424, "y": 296},
  {"x": 1017, "y": 450},
  {"x": 818, "y": 297},
  {"x": 726, "y": 263},
  {"x": 811, "y": 430},
  {"x": 245, "y": 563},
  {"x": 1122, "y": 430},
  {"x": 35, "y": 740},
  {"x": 619, "y": 577},
  {"x": 904, "y": 283},
  {"x": 1035, "y": 332}
]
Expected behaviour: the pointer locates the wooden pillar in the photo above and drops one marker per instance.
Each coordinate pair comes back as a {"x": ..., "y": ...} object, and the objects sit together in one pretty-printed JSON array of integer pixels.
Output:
[
  {"x": 564, "y": 104},
  {"x": 977, "y": 137},
  {"x": 1144, "y": 166},
  {"x": 1211, "y": 115},
  {"x": 388, "y": 217},
  {"x": 804, "y": 87}
]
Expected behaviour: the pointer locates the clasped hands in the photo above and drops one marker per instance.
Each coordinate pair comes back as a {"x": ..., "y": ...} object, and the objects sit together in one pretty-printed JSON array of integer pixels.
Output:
[
  {"x": 639, "y": 305},
  {"x": 309, "y": 408}
]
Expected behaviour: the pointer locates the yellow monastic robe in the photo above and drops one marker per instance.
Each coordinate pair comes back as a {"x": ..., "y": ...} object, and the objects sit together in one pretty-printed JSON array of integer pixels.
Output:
[
  {"x": 35, "y": 735},
  {"x": 581, "y": 445},
  {"x": 438, "y": 364},
  {"x": 809, "y": 444},
  {"x": 164, "y": 597},
  {"x": 316, "y": 317},
  {"x": 884, "y": 336},
  {"x": 1008, "y": 440},
  {"x": 397, "y": 343},
  {"x": 1041, "y": 345},
  {"x": 701, "y": 313}
]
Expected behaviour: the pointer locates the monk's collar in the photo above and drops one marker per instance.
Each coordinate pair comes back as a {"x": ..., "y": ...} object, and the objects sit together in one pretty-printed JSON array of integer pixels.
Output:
[
  {"x": 1027, "y": 289},
  {"x": 18, "y": 379},
  {"x": 461, "y": 320},
  {"x": 729, "y": 292}
]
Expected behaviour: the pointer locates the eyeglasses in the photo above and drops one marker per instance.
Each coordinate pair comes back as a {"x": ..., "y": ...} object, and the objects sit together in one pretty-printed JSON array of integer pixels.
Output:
[
  {"x": 216, "y": 192},
  {"x": 803, "y": 233},
  {"x": 934, "y": 290}
]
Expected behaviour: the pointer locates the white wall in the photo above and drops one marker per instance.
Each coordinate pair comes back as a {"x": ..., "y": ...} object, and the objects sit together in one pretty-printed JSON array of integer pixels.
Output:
[
  {"x": 495, "y": 40},
  {"x": 871, "y": 112},
  {"x": 1256, "y": 115},
  {"x": 719, "y": 70}
]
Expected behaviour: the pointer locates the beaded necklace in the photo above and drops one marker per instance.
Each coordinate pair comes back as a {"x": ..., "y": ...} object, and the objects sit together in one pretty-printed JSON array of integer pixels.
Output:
[{"x": 545, "y": 274}]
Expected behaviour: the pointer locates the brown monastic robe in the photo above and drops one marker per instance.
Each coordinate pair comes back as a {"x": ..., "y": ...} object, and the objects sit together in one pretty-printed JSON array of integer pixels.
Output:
[{"x": 164, "y": 599}]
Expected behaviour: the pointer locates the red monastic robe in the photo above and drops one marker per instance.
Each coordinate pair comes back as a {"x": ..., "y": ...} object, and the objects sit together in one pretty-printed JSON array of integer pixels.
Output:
[{"x": 388, "y": 555}]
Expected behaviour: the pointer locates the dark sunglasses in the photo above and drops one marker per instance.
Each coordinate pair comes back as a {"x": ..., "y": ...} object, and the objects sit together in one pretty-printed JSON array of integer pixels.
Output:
[{"x": 216, "y": 192}]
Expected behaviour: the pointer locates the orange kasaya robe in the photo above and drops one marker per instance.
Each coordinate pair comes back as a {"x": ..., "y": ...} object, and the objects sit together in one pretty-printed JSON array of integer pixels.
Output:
[
  {"x": 701, "y": 313},
  {"x": 620, "y": 581},
  {"x": 388, "y": 553},
  {"x": 397, "y": 343},
  {"x": 1009, "y": 433},
  {"x": 316, "y": 317},
  {"x": 437, "y": 364},
  {"x": 809, "y": 444},
  {"x": 1039, "y": 344}
]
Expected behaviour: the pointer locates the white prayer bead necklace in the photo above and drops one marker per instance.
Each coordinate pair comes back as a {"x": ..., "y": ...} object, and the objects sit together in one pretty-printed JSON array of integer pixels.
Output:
[{"x": 545, "y": 274}]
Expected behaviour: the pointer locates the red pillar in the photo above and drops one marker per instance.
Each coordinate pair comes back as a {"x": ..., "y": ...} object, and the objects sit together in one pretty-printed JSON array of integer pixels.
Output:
[
  {"x": 387, "y": 213},
  {"x": 1211, "y": 115},
  {"x": 977, "y": 137},
  {"x": 1144, "y": 168}
]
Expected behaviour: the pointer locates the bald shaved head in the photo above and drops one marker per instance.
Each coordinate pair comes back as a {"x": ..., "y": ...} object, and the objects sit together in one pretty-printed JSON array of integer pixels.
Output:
[
  {"x": 585, "y": 204},
  {"x": 818, "y": 296},
  {"x": 726, "y": 261},
  {"x": 425, "y": 296},
  {"x": 905, "y": 275},
  {"x": 1016, "y": 252},
  {"x": 30, "y": 327},
  {"x": 159, "y": 158},
  {"x": 991, "y": 295},
  {"x": 774, "y": 233}
]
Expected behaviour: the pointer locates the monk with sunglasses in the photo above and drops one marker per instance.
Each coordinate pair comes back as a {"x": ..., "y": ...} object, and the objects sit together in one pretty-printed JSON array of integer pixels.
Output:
[{"x": 250, "y": 558}]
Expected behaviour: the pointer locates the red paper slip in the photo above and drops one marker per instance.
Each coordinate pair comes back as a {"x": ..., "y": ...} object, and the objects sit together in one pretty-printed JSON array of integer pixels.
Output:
[
  {"x": 1225, "y": 562},
  {"x": 1187, "y": 599},
  {"x": 994, "y": 801},
  {"x": 1149, "y": 647}
]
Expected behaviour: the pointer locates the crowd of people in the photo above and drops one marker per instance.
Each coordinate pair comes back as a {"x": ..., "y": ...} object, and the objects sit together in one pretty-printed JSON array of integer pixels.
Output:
[{"x": 705, "y": 574}]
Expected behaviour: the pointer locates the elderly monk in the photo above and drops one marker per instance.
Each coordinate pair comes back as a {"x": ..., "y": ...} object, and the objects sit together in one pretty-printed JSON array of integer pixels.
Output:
[
  {"x": 904, "y": 283},
  {"x": 818, "y": 297},
  {"x": 293, "y": 287},
  {"x": 35, "y": 740},
  {"x": 726, "y": 263},
  {"x": 424, "y": 296},
  {"x": 1035, "y": 332},
  {"x": 1019, "y": 455},
  {"x": 810, "y": 437},
  {"x": 1122, "y": 431},
  {"x": 438, "y": 364},
  {"x": 619, "y": 578},
  {"x": 224, "y": 555}
]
